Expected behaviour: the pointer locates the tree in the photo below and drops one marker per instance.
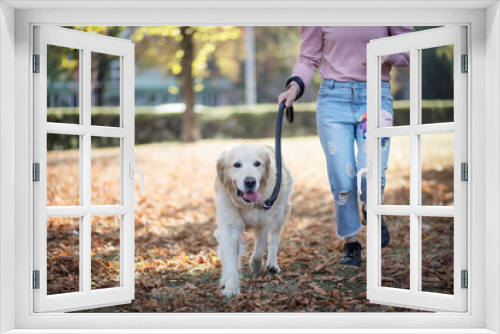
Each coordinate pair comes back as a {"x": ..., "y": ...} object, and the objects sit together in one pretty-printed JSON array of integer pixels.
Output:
[
  {"x": 190, "y": 129},
  {"x": 184, "y": 51},
  {"x": 276, "y": 53}
]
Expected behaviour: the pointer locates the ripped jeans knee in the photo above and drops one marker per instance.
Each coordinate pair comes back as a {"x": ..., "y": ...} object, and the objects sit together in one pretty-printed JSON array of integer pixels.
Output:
[{"x": 342, "y": 196}]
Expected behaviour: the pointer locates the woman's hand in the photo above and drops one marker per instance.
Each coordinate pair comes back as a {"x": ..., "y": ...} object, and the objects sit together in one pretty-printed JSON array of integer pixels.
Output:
[{"x": 288, "y": 96}]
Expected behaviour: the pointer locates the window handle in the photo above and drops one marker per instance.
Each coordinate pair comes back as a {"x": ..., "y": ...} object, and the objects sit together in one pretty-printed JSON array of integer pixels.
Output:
[
  {"x": 366, "y": 170},
  {"x": 133, "y": 170}
]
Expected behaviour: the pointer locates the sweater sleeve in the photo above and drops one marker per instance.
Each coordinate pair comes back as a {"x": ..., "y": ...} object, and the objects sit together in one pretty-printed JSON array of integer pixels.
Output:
[
  {"x": 399, "y": 59},
  {"x": 310, "y": 54}
]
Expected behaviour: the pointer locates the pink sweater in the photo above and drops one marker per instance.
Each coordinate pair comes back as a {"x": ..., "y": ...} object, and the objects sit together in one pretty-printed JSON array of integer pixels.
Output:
[{"x": 343, "y": 50}]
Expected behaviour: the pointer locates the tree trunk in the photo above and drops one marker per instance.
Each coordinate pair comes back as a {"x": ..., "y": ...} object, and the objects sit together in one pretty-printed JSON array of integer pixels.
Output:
[{"x": 190, "y": 128}]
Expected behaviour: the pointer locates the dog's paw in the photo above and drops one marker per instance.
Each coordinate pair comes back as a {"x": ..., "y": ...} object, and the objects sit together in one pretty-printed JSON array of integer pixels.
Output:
[
  {"x": 273, "y": 268},
  {"x": 256, "y": 265},
  {"x": 231, "y": 291}
]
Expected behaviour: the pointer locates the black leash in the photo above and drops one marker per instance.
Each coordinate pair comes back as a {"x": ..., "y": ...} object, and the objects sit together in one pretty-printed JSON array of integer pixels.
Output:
[
  {"x": 277, "y": 150},
  {"x": 289, "y": 117}
]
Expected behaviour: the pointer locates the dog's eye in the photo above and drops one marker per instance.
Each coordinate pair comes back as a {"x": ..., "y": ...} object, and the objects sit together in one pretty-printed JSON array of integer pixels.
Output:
[
  {"x": 237, "y": 165},
  {"x": 257, "y": 163}
]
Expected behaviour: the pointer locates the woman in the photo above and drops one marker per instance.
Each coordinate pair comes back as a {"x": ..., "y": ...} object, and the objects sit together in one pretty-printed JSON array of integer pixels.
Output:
[{"x": 341, "y": 114}]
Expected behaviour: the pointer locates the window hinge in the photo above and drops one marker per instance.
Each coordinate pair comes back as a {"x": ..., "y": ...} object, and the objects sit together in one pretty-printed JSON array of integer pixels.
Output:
[
  {"x": 464, "y": 171},
  {"x": 36, "y": 172},
  {"x": 36, "y": 279},
  {"x": 465, "y": 64},
  {"x": 36, "y": 63},
  {"x": 465, "y": 279}
]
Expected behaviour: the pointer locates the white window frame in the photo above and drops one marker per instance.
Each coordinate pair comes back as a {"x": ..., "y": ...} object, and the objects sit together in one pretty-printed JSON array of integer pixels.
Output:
[
  {"x": 414, "y": 44},
  {"x": 86, "y": 43},
  {"x": 483, "y": 20}
]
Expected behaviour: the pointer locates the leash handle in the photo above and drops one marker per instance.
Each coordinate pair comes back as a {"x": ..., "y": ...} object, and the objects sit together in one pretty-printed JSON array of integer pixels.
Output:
[{"x": 277, "y": 150}]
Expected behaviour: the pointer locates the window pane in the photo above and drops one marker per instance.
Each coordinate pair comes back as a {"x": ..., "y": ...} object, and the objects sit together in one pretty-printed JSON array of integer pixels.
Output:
[
  {"x": 105, "y": 155},
  {"x": 63, "y": 170},
  {"x": 63, "y": 255},
  {"x": 105, "y": 252},
  {"x": 399, "y": 90},
  {"x": 396, "y": 256},
  {"x": 63, "y": 80},
  {"x": 396, "y": 151},
  {"x": 437, "y": 84},
  {"x": 105, "y": 89},
  {"x": 437, "y": 169},
  {"x": 437, "y": 254}
]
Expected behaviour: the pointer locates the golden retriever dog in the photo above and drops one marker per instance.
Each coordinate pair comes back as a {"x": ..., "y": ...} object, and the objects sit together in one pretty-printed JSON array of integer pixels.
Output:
[{"x": 246, "y": 176}]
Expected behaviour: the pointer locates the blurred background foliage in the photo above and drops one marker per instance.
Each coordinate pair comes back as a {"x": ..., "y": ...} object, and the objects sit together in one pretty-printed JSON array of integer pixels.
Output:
[{"x": 213, "y": 76}]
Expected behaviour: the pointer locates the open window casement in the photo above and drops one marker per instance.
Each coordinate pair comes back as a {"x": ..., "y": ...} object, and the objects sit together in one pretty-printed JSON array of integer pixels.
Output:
[
  {"x": 417, "y": 213},
  {"x": 74, "y": 221}
]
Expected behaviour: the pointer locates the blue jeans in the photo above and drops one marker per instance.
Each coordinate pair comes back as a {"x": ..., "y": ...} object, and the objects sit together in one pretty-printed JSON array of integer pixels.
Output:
[{"x": 340, "y": 109}]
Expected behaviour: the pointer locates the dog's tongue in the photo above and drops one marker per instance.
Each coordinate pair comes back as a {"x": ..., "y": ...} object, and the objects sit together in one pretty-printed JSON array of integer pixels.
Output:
[{"x": 252, "y": 196}]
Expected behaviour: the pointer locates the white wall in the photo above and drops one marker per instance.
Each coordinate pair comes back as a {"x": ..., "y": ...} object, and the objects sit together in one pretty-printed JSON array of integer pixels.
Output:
[
  {"x": 492, "y": 163},
  {"x": 482, "y": 106},
  {"x": 7, "y": 160}
]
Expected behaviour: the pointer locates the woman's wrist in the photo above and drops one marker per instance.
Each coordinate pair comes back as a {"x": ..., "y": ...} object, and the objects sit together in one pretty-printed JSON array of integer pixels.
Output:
[
  {"x": 296, "y": 81},
  {"x": 293, "y": 85}
]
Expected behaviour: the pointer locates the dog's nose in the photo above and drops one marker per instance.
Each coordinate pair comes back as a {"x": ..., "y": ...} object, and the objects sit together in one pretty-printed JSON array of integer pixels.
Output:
[{"x": 249, "y": 183}]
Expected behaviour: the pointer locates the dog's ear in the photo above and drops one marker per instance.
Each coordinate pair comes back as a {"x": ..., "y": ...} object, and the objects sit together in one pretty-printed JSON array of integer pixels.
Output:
[
  {"x": 221, "y": 167},
  {"x": 267, "y": 165},
  {"x": 270, "y": 149}
]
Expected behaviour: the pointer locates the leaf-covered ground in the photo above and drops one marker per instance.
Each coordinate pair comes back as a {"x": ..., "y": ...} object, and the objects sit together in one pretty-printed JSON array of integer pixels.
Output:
[{"x": 177, "y": 268}]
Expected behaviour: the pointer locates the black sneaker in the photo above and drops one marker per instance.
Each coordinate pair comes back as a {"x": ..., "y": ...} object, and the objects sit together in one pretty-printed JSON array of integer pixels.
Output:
[
  {"x": 363, "y": 211},
  {"x": 352, "y": 254},
  {"x": 385, "y": 234}
]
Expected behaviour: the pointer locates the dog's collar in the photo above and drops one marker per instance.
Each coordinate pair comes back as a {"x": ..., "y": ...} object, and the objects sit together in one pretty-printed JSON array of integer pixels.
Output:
[{"x": 239, "y": 193}]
